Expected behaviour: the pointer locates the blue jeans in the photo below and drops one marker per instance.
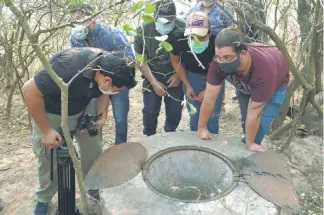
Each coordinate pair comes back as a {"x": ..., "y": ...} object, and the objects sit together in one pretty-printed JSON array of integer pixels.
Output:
[
  {"x": 152, "y": 106},
  {"x": 269, "y": 112},
  {"x": 198, "y": 84},
  {"x": 120, "y": 107}
]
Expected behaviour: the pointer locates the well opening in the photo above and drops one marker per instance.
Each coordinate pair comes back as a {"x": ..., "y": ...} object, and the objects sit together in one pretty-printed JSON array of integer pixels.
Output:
[{"x": 190, "y": 174}]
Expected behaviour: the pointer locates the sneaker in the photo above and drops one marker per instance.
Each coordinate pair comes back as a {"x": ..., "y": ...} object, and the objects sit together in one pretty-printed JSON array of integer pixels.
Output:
[
  {"x": 243, "y": 139},
  {"x": 94, "y": 195},
  {"x": 41, "y": 208}
]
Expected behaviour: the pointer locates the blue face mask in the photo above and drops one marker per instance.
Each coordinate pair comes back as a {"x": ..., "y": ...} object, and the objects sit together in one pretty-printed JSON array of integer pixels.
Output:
[
  {"x": 163, "y": 29},
  {"x": 79, "y": 32},
  {"x": 198, "y": 47}
]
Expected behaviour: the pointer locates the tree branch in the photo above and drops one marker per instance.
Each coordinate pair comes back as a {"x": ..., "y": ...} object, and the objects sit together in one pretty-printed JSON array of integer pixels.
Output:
[
  {"x": 71, "y": 24},
  {"x": 297, "y": 121},
  {"x": 64, "y": 91}
]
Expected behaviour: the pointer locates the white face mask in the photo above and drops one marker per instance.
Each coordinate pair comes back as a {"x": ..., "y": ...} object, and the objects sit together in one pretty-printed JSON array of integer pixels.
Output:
[
  {"x": 79, "y": 32},
  {"x": 108, "y": 92}
]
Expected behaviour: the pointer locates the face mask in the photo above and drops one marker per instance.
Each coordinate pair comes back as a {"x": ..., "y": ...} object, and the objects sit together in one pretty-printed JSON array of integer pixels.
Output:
[
  {"x": 79, "y": 32},
  {"x": 108, "y": 92},
  {"x": 163, "y": 29},
  {"x": 197, "y": 46},
  {"x": 229, "y": 68},
  {"x": 208, "y": 3}
]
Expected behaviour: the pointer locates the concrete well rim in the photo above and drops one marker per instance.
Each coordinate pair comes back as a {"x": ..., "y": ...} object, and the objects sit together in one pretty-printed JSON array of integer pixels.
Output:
[{"x": 165, "y": 151}]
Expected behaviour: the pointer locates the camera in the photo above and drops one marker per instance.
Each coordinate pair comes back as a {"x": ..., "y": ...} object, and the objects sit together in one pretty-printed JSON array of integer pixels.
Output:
[{"x": 86, "y": 122}]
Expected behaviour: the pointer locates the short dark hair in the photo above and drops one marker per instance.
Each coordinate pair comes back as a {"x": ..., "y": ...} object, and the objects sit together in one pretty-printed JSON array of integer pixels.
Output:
[
  {"x": 230, "y": 37},
  {"x": 85, "y": 9},
  {"x": 114, "y": 65}
]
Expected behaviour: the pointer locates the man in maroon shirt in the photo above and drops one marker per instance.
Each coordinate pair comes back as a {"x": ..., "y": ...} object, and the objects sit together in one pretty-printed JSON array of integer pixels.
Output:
[{"x": 261, "y": 75}]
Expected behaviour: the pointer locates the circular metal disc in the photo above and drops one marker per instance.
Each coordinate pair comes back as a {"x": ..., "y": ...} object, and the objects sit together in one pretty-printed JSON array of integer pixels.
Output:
[
  {"x": 268, "y": 174},
  {"x": 116, "y": 165}
]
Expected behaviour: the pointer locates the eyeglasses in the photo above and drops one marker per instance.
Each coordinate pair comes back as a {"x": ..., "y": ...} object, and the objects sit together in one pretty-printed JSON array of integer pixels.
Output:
[
  {"x": 226, "y": 58},
  {"x": 199, "y": 38}
]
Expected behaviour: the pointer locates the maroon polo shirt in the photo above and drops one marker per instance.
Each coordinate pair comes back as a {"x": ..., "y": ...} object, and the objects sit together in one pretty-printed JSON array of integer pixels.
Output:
[{"x": 268, "y": 73}]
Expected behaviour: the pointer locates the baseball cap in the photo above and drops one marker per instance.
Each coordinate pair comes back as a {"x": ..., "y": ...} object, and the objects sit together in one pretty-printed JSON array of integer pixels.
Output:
[
  {"x": 84, "y": 8},
  {"x": 197, "y": 23},
  {"x": 114, "y": 65},
  {"x": 166, "y": 9}
]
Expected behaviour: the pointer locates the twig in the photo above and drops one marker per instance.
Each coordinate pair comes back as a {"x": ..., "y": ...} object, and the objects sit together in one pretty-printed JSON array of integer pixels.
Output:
[
  {"x": 71, "y": 23},
  {"x": 297, "y": 121}
]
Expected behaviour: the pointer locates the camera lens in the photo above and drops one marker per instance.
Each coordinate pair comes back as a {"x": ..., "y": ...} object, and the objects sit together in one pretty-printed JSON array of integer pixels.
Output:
[{"x": 92, "y": 130}]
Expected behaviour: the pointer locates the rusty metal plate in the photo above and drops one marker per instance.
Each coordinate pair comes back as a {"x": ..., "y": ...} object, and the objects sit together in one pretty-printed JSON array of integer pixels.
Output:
[
  {"x": 116, "y": 165},
  {"x": 267, "y": 173}
]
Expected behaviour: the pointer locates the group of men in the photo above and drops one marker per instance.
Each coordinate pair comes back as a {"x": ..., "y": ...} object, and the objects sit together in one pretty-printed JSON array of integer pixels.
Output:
[{"x": 205, "y": 52}]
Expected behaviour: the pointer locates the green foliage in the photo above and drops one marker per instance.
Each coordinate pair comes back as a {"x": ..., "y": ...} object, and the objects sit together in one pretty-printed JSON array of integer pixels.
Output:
[
  {"x": 1, "y": 1},
  {"x": 147, "y": 18},
  {"x": 148, "y": 13},
  {"x": 223, "y": 202},
  {"x": 129, "y": 30},
  {"x": 149, "y": 9},
  {"x": 167, "y": 46},
  {"x": 192, "y": 108},
  {"x": 75, "y": 2},
  {"x": 147, "y": 89},
  {"x": 139, "y": 57},
  {"x": 137, "y": 6}
]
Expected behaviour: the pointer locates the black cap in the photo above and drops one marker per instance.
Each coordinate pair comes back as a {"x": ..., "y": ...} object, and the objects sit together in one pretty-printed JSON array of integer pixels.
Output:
[
  {"x": 84, "y": 8},
  {"x": 166, "y": 9},
  {"x": 114, "y": 65}
]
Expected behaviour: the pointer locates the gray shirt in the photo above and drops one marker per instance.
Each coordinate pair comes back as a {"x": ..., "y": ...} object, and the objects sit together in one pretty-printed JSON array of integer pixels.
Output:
[{"x": 158, "y": 59}]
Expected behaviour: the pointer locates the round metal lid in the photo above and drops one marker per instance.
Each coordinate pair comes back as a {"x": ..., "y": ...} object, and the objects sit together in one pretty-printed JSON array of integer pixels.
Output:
[
  {"x": 116, "y": 165},
  {"x": 267, "y": 173}
]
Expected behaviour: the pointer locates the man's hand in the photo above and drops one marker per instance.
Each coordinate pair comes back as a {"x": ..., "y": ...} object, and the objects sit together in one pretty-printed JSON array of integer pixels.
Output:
[
  {"x": 255, "y": 147},
  {"x": 51, "y": 139},
  {"x": 204, "y": 134},
  {"x": 190, "y": 93},
  {"x": 100, "y": 122},
  {"x": 200, "y": 96},
  {"x": 173, "y": 81},
  {"x": 159, "y": 88}
]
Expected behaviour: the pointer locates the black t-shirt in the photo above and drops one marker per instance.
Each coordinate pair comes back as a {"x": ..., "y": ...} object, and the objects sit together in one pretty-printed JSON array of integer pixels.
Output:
[
  {"x": 181, "y": 48},
  {"x": 66, "y": 64},
  {"x": 157, "y": 58}
]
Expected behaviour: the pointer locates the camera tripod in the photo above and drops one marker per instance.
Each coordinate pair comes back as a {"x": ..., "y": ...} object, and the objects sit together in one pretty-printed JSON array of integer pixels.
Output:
[{"x": 66, "y": 179}]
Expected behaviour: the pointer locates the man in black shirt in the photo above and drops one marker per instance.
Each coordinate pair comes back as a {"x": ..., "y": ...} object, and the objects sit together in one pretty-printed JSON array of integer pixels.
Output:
[
  {"x": 193, "y": 50},
  {"x": 103, "y": 74},
  {"x": 160, "y": 80}
]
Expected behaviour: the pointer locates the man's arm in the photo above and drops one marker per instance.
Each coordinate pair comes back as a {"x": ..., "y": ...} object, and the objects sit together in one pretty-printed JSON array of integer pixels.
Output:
[
  {"x": 102, "y": 106},
  {"x": 178, "y": 68},
  {"x": 35, "y": 104},
  {"x": 145, "y": 70},
  {"x": 207, "y": 106},
  {"x": 102, "y": 110},
  {"x": 253, "y": 121}
]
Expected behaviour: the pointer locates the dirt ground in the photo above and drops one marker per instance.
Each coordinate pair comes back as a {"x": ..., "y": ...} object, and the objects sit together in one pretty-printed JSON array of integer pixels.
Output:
[{"x": 18, "y": 165}]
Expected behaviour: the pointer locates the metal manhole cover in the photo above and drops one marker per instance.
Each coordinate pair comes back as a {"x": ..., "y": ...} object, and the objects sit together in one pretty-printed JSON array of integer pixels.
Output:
[
  {"x": 267, "y": 173},
  {"x": 116, "y": 165}
]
